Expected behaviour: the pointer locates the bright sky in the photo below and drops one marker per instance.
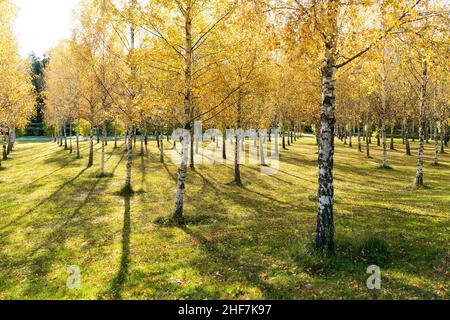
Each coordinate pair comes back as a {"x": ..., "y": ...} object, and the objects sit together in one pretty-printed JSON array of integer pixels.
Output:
[{"x": 40, "y": 24}]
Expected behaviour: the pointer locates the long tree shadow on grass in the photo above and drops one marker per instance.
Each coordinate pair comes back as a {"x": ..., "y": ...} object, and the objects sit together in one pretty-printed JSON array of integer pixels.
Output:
[
  {"x": 59, "y": 232},
  {"x": 118, "y": 283},
  {"x": 64, "y": 164},
  {"x": 42, "y": 202},
  {"x": 42, "y": 257},
  {"x": 28, "y": 161},
  {"x": 174, "y": 178}
]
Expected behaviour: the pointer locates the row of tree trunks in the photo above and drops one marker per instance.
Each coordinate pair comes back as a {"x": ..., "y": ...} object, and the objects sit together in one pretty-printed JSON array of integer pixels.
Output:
[{"x": 436, "y": 128}]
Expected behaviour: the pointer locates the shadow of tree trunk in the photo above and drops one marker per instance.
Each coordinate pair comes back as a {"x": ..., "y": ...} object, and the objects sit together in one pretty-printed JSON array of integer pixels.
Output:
[{"x": 121, "y": 276}]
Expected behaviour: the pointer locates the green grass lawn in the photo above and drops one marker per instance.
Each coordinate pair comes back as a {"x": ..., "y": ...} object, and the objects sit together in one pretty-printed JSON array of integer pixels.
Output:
[{"x": 240, "y": 243}]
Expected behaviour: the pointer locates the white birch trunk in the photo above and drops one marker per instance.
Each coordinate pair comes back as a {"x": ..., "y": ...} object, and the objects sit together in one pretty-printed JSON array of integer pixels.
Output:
[
  {"x": 237, "y": 170},
  {"x": 161, "y": 148},
  {"x": 359, "y": 139},
  {"x": 4, "y": 145},
  {"x": 436, "y": 145},
  {"x": 91, "y": 147},
  {"x": 102, "y": 165},
  {"x": 78, "y": 140},
  {"x": 177, "y": 215},
  {"x": 129, "y": 143},
  {"x": 325, "y": 223},
  {"x": 70, "y": 138},
  {"x": 419, "y": 174}
]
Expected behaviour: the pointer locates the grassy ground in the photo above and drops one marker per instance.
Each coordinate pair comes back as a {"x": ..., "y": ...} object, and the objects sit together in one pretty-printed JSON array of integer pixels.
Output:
[{"x": 245, "y": 243}]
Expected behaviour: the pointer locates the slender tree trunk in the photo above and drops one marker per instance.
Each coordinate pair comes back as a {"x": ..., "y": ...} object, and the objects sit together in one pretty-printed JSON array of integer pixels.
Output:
[
  {"x": 191, "y": 150},
  {"x": 78, "y": 140},
  {"x": 60, "y": 136},
  {"x": 142, "y": 142},
  {"x": 224, "y": 145},
  {"x": 325, "y": 220},
  {"x": 446, "y": 134},
  {"x": 283, "y": 140},
  {"x": 419, "y": 174},
  {"x": 177, "y": 215},
  {"x": 70, "y": 137},
  {"x": 350, "y": 135},
  {"x": 378, "y": 136},
  {"x": 10, "y": 141},
  {"x": 181, "y": 186},
  {"x": 129, "y": 142},
  {"x": 115, "y": 135},
  {"x": 91, "y": 147},
  {"x": 157, "y": 140},
  {"x": 403, "y": 133},
  {"x": 237, "y": 171},
  {"x": 106, "y": 134},
  {"x": 4, "y": 147},
  {"x": 442, "y": 138},
  {"x": 102, "y": 164},
  {"x": 65, "y": 136},
  {"x": 385, "y": 158},
  {"x": 261, "y": 150},
  {"x": 436, "y": 145},
  {"x": 146, "y": 135},
  {"x": 407, "y": 145},
  {"x": 367, "y": 142},
  {"x": 276, "y": 146},
  {"x": 359, "y": 139},
  {"x": 161, "y": 148},
  {"x": 14, "y": 136}
]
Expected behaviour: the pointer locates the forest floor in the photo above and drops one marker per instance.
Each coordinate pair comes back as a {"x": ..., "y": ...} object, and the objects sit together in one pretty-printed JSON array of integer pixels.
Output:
[{"x": 240, "y": 243}]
